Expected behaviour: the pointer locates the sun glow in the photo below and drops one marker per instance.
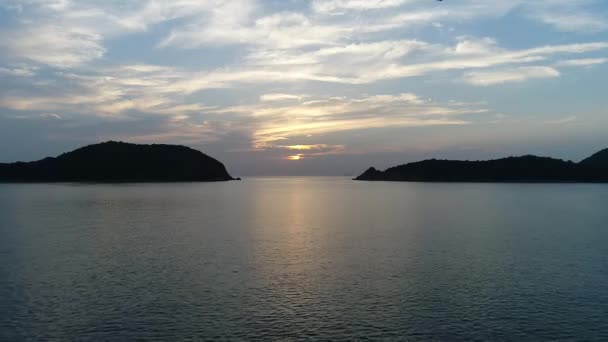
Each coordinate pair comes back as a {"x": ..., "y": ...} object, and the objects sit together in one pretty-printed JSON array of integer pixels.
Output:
[
  {"x": 296, "y": 157},
  {"x": 301, "y": 147}
]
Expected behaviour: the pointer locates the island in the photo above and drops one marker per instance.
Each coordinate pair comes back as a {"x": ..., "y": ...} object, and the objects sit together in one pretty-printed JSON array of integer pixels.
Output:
[
  {"x": 525, "y": 169},
  {"x": 120, "y": 162}
]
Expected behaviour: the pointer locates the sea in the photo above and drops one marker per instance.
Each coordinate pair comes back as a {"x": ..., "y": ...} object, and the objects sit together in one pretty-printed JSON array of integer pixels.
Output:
[{"x": 303, "y": 259}]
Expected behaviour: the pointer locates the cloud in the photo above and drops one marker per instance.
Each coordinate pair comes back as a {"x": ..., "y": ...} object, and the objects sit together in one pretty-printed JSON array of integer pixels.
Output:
[
  {"x": 451, "y": 61},
  {"x": 563, "y": 121},
  {"x": 274, "y": 122},
  {"x": 278, "y": 31},
  {"x": 104, "y": 93},
  {"x": 248, "y": 23},
  {"x": 43, "y": 116},
  {"x": 316, "y": 147},
  {"x": 54, "y": 45},
  {"x": 583, "y": 62},
  {"x": 185, "y": 132},
  {"x": 333, "y": 6},
  {"x": 69, "y": 34},
  {"x": 569, "y": 15},
  {"x": 281, "y": 97},
  {"x": 493, "y": 77},
  {"x": 306, "y": 151},
  {"x": 23, "y": 70},
  {"x": 51, "y": 116},
  {"x": 471, "y": 46},
  {"x": 377, "y": 61},
  {"x": 349, "y": 54},
  {"x": 163, "y": 89},
  {"x": 584, "y": 22}
]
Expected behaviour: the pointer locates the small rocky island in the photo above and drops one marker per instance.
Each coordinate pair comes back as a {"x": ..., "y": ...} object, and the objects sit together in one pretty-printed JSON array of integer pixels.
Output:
[
  {"x": 120, "y": 162},
  {"x": 513, "y": 169}
]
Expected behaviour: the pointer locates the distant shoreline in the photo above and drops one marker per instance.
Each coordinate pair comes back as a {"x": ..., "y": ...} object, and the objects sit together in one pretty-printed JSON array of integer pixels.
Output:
[
  {"x": 525, "y": 169},
  {"x": 119, "y": 162}
]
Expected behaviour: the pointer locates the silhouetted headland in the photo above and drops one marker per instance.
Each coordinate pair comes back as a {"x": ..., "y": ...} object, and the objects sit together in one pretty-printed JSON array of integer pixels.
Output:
[
  {"x": 598, "y": 160},
  {"x": 120, "y": 162},
  {"x": 513, "y": 169}
]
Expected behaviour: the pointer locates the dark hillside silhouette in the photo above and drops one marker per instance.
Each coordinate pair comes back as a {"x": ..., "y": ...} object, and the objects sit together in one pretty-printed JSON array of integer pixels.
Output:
[
  {"x": 119, "y": 162},
  {"x": 598, "y": 160},
  {"x": 512, "y": 169}
]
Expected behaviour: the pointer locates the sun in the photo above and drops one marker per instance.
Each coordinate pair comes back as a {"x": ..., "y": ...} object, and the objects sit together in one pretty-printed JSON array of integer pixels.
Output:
[{"x": 296, "y": 157}]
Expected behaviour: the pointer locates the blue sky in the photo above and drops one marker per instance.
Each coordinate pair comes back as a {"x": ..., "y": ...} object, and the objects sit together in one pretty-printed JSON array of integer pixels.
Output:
[{"x": 306, "y": 87}]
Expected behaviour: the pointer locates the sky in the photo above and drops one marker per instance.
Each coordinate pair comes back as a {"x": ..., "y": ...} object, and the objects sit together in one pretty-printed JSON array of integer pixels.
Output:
[{"x": 306, "y": 87}]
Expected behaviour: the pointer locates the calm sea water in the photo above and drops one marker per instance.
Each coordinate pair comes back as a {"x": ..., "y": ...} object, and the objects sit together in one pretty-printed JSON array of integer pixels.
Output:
[{"x": 303, "y": 258}]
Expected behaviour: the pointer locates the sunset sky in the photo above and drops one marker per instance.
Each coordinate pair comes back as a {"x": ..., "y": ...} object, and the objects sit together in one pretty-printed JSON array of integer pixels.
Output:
[{"x": 283, "y": 87}]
